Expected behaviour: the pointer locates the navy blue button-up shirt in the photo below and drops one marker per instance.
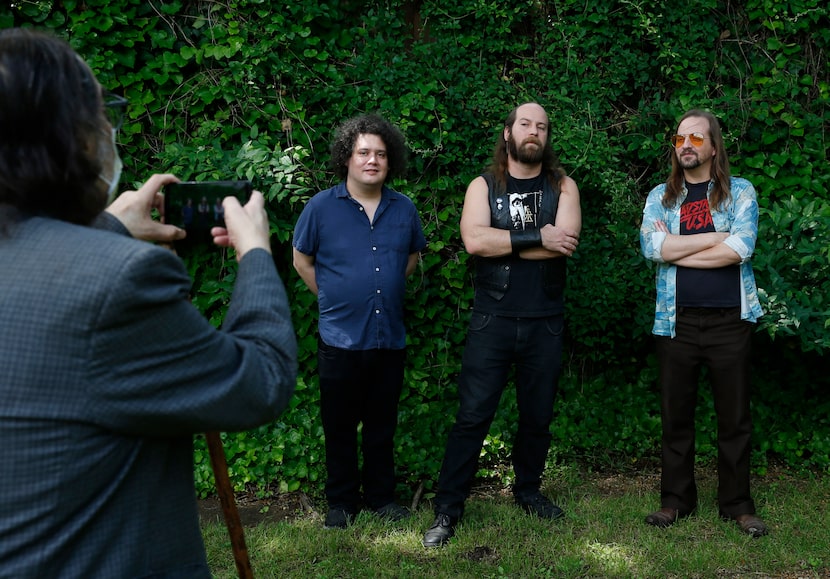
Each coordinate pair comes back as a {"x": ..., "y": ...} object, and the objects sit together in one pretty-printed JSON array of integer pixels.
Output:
[{"x": 360, "y": 267}]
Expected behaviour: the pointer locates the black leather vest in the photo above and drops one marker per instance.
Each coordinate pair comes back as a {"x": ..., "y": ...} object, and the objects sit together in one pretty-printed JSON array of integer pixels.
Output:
[{"x": 493, "y": 273}]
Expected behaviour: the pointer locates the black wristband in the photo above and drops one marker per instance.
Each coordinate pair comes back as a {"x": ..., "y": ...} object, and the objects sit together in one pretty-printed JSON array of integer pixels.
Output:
[{"x": 525, "y": 239}]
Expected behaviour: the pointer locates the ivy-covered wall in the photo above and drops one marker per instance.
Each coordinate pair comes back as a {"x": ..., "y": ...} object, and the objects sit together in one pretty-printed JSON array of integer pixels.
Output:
[{"x": 254, "y": 88}]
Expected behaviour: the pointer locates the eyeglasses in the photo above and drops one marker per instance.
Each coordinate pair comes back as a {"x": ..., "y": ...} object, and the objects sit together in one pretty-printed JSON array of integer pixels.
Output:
[
  {"x": 115, "y": 106},
  {"x": 695, "y": 138}
]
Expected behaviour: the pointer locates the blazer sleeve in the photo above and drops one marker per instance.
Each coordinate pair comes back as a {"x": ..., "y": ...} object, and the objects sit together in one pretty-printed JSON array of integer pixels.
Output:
[
  {"x": 109, "y": 222},
  {"x": 159, "y": 368}
]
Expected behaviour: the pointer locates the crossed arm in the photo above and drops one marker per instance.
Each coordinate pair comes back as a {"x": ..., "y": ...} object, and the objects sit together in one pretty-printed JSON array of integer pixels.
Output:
[
  {"x": 558, "y": 239},
  {"x": 701, "y": 251}
]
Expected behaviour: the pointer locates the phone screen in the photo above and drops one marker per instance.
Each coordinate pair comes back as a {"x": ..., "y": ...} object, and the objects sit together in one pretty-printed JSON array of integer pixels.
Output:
[{"x": 196, "y": 207}]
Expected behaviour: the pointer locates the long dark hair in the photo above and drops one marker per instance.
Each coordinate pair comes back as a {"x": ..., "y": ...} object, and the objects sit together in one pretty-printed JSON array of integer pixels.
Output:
[
  {"x": 550, "y": 162},
  {"x": 51, "y": 127},
  {"x": 720, "y": 166},
  {"x": 346, "y": 135}
]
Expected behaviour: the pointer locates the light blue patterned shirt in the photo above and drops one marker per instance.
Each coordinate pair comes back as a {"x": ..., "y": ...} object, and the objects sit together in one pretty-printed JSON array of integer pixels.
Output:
[{"x": 739, "y": 217}]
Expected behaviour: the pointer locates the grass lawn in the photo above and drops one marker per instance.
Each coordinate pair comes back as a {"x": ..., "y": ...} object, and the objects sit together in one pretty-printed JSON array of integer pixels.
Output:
[{"x": 602, "y": 535}]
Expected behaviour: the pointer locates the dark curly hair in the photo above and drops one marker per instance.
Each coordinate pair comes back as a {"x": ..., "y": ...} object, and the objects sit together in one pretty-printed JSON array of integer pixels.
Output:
[
  {"x": 51, "y": 126},
  {"x": 370, "y": 124},
  {"x": 550, "y": 162}
]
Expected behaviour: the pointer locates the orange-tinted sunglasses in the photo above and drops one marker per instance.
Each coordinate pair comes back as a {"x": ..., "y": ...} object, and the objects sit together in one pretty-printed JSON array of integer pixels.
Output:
[{"x": 695, "y": 138}]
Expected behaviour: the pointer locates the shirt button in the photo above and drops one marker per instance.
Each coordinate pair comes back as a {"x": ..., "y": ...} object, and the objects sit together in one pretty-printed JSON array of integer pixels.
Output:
[
  {"x": 378, "y": 291},
  {"x": 361, "y": 208},
  {"x": 374, "y": 248},
  {"x": 377, "y": 269},
  {"x": 377, "y": 311}
]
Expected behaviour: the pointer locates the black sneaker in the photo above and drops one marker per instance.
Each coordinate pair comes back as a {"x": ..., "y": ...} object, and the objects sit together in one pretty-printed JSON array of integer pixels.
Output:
[
  {"x": 539, "y": 505},
  {"x": 441, "y": 531},
  {"x": 338, "y": 518},
  {"x": 392, "y": 512}
]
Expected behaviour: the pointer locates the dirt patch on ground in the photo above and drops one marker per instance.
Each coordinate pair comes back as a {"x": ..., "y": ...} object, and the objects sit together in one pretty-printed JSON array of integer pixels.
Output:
[{"x": 253, "y": 511}]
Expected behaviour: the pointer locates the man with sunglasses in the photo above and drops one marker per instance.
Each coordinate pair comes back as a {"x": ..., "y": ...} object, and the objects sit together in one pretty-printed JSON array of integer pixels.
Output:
[{"x": 700, "y": 229}]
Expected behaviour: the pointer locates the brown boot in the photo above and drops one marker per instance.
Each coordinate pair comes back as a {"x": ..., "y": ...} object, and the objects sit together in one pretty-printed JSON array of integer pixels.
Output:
[
  {"x": 751, "y": 525},
  {"x": 663, "y": 518}
]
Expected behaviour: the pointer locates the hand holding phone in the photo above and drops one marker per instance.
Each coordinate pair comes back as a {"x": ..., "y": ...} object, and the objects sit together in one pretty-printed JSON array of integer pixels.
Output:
[
  {"x": 246, "y": 227},
  {"x": 190, "y": 203},
  {"x": 197, "y": 206},
  {"x": 134, "y": 209}
]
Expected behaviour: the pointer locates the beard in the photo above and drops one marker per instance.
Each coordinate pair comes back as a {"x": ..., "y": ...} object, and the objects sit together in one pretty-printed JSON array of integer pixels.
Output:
[
  {"x": 688, "y": 163},
  {"x": 525, "y": 154}
]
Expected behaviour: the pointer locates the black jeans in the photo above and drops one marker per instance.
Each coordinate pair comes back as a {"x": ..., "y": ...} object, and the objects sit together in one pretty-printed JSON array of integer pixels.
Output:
[
  {"x": 720, "y": 340},
  {"x": 359, "y": 386},
  {"x": 494, "y": 345}
]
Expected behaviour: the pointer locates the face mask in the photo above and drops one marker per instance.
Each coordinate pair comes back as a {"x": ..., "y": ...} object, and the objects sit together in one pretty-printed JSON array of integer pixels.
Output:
[{"x": 117, "y": 166}]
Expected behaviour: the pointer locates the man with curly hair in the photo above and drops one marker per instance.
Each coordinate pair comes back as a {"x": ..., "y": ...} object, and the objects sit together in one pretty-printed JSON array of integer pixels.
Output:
[{"x": 354, "y": 246}]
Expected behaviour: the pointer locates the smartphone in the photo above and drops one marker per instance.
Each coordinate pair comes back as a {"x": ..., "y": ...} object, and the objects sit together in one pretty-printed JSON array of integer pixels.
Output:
[{"x": 196, "y": 207}]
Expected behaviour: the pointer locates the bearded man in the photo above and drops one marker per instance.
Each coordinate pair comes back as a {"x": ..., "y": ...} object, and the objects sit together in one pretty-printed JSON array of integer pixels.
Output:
[
  {"x": 518, "y": 312},
  {"x": 700, "y": 228}
]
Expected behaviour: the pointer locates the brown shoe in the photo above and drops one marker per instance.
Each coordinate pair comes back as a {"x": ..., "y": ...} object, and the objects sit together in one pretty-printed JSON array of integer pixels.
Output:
[
  {"x": 751, "y": 525},
  {"x": 663, "y": 518}
]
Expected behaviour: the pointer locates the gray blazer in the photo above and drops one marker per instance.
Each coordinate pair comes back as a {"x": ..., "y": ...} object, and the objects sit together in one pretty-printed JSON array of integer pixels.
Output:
[{"x": 106, "y": 372}]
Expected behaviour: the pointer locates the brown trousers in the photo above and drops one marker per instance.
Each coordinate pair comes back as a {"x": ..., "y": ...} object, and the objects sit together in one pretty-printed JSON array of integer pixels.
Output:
[{"x": 720, "y": 340}]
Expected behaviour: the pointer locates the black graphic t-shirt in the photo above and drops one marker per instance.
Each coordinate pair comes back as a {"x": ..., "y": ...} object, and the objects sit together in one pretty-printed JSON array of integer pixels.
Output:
[
  {"x": 704, "y": 288},
  {"x": 524, "y": 207},
  {"x": 525, "y": 296}
]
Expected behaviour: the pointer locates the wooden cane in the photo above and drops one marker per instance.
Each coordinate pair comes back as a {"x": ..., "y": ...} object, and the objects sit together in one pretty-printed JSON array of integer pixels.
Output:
[{"x": 225, "y": 491}]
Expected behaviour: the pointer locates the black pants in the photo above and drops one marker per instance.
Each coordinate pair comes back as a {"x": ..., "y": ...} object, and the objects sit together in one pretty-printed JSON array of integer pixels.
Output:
[
  {"x": 494, "y": 345},
  {"x": 720, "y": 340},
  {"x": 359, "y": 386}
]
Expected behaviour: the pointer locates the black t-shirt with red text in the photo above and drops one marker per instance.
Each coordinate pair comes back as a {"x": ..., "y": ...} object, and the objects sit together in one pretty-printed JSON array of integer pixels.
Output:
[{"x": 704, "y": 288}]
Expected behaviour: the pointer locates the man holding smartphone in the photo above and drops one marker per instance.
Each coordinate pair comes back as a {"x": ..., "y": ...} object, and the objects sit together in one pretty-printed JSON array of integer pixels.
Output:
[
  {"x": 354, "y": 246},
  {"x": 108, "y": 370}
]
